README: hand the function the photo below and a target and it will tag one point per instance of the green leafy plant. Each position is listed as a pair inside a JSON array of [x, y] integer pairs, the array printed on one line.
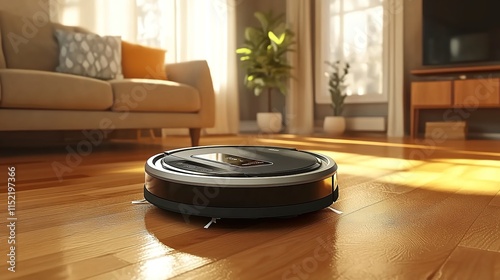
[[263, 55], [337, 86]]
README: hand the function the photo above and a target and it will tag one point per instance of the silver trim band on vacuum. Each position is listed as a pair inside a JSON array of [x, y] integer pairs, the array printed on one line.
[[328, 167]]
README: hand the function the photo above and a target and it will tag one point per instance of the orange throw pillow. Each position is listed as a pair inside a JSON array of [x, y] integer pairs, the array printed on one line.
[[143, 62]]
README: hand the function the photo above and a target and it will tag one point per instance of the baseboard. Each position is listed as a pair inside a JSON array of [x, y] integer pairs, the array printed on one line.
[[249, 126], [376, 124], [365, 123], [489, 136]]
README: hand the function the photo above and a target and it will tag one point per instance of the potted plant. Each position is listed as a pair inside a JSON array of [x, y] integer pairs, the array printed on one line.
[[263, 57], [335, 124]]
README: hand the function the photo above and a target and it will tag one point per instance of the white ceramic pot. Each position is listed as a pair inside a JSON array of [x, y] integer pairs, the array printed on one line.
[[334, 125], [269, 122]]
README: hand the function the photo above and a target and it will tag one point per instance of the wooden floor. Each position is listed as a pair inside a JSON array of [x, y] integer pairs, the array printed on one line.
[[411, 210]]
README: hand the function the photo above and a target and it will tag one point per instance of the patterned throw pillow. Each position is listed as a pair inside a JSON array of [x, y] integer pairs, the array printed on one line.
[[89, 55]]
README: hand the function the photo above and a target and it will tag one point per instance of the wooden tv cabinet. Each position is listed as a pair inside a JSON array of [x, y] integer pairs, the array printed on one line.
[[460, 96]]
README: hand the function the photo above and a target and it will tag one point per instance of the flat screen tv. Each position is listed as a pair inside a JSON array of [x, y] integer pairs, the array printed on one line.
[[461, 32]]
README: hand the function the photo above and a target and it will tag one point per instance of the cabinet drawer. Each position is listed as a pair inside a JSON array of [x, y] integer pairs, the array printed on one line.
[[431, 93], [477, 92]]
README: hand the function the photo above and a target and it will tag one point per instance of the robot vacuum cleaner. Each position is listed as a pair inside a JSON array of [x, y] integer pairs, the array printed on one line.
[[240, 181]]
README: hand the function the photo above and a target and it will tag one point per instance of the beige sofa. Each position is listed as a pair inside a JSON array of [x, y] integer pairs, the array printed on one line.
[[34, 97]]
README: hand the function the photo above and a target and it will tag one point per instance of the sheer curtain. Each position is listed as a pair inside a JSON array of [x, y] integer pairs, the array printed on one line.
[[394, 80], [187, 29], [108, 17], [206, 30], [300, 100]]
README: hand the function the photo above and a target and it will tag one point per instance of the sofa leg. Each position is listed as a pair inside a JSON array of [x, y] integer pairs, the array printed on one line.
[[195, 136]]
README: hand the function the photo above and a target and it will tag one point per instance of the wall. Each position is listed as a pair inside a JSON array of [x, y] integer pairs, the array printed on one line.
[[249, 103], [352, 110], [412, 50]]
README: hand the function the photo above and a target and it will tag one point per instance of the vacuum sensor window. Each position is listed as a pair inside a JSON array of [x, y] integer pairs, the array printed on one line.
[[232, 159]]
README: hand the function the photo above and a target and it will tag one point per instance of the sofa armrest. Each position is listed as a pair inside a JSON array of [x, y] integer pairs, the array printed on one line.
[[196, 74]]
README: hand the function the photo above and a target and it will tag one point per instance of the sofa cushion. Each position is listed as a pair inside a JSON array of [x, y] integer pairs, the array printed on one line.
[[28, 44], [32, 89], [89, 55], [145, 95]]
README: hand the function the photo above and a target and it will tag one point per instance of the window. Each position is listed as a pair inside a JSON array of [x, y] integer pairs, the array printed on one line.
[[352, 31], [155, 25], [71, 13]]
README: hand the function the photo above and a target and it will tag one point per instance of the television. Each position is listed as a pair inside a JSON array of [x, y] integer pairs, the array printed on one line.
[[461, 32]]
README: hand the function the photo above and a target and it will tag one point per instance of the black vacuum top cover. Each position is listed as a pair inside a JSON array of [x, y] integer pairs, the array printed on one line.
[[236, 161]]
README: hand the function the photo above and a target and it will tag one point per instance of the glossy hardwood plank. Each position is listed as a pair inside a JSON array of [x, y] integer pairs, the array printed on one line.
[[467, 263], [165, 267], [132, 243], [72, 235], [496, 200], [485, 232], [60, 215], [85, 268]]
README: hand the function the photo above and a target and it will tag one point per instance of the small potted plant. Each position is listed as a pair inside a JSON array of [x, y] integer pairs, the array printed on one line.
[[263, 57], [335, 125]]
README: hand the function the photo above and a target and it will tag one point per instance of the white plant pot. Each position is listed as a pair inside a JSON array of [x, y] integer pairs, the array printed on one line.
[[269, 122], [334, 125]]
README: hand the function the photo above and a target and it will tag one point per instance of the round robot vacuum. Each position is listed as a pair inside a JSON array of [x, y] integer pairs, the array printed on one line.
[[240, 181]]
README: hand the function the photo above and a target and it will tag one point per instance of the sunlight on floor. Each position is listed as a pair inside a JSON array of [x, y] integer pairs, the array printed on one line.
[[160, 261], [166, 266], [382, 163], [472, 162], [152, 248], [478, 177]]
